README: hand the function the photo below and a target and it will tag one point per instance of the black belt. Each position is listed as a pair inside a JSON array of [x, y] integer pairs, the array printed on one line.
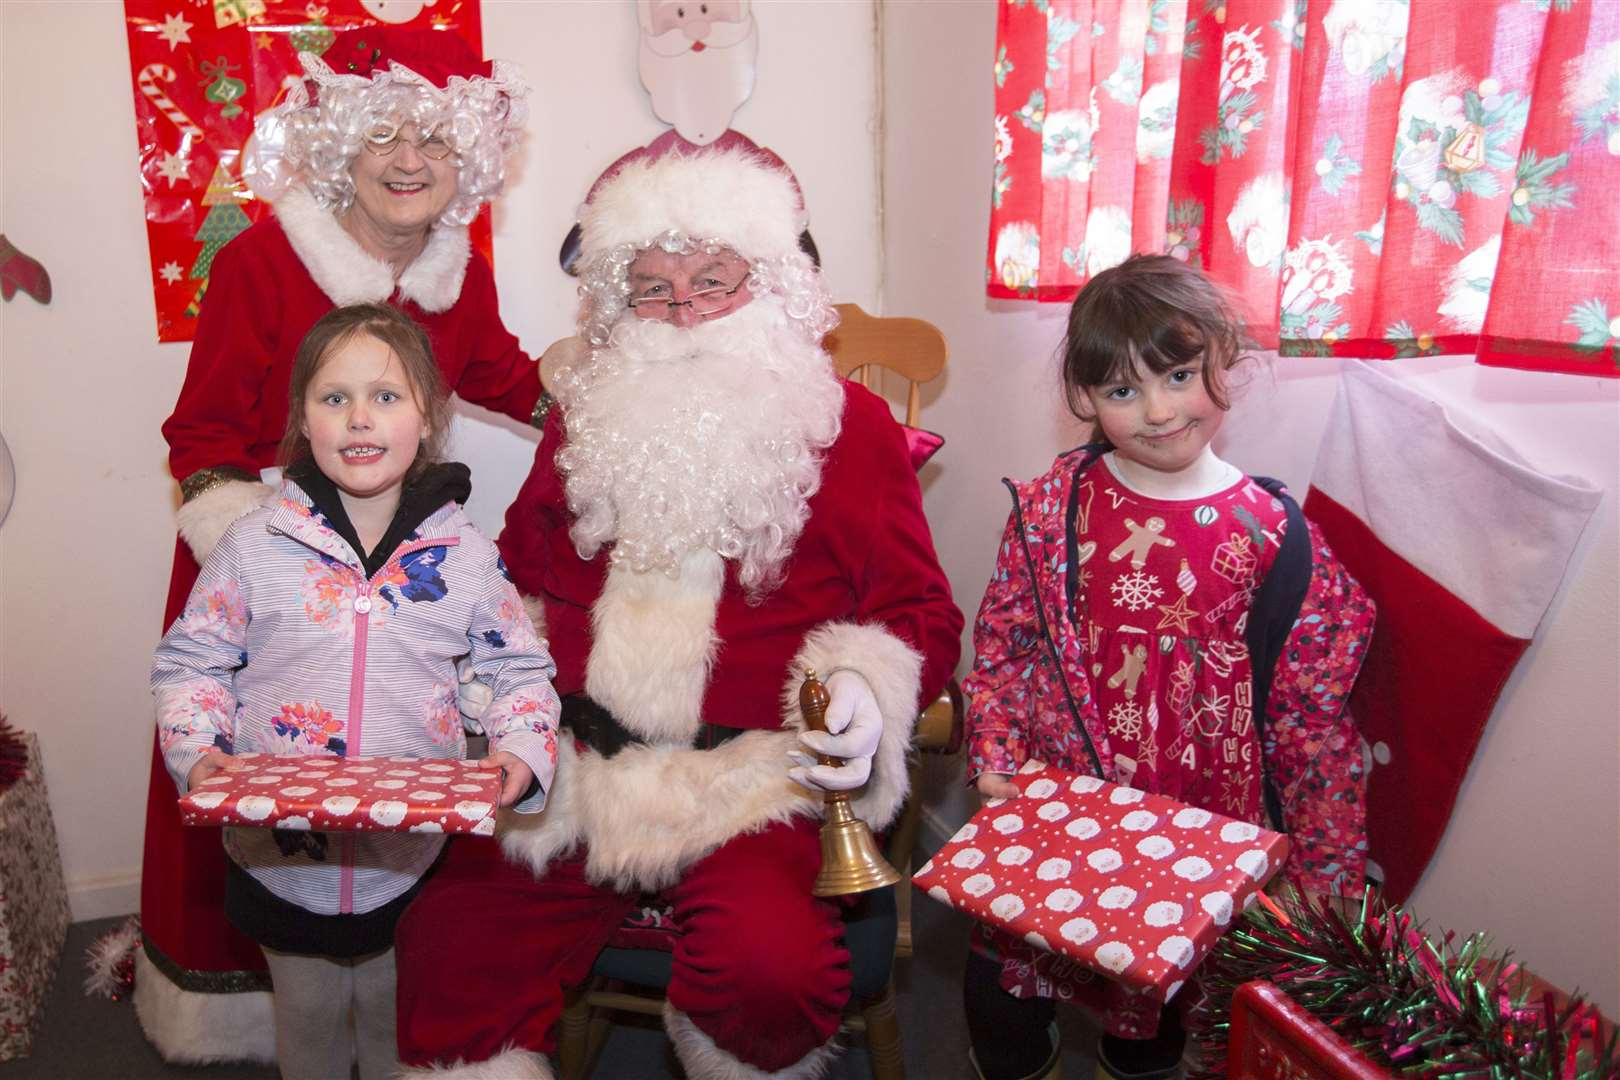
[[599, 729]]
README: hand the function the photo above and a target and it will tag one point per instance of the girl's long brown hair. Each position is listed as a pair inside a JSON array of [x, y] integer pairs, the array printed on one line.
[[405, 339]]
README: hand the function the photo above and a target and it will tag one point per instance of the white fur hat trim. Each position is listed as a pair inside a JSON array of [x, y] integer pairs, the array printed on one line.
[[733, 196]]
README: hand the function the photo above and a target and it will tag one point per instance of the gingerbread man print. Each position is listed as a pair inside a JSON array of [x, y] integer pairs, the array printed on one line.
[[1130, 669], [1143, 539]]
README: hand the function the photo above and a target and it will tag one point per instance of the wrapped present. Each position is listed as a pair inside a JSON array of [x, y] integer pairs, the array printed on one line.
[[332, 794], [33, 905], [1133, 886], [1274, 1038]]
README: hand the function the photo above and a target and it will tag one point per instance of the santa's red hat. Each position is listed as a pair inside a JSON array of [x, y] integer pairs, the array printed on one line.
[[731, 191]]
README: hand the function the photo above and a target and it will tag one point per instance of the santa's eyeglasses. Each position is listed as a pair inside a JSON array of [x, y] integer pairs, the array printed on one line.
[[384, 141], [707, 302]]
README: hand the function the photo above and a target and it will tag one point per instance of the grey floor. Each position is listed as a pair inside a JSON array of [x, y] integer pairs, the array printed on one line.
[[92, 1038]]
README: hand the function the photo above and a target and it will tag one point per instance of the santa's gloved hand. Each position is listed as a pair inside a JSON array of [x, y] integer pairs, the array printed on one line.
[[472, 697], [854, 729]]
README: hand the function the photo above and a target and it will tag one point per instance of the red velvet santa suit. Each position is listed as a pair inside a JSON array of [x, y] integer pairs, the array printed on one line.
[[759, 970], [267, 288]]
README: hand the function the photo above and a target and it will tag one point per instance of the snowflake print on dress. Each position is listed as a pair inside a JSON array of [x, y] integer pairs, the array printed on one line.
[[1125, 720], [1136, 591]]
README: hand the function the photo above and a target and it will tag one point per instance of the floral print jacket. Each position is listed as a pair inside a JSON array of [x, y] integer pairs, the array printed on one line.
[[285, 646], [1030, 693]]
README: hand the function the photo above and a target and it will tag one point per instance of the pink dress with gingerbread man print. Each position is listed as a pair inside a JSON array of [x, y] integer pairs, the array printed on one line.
[[1111, 640]]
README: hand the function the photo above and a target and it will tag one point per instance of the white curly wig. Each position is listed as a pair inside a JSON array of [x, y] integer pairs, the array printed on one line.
[[317, 141]]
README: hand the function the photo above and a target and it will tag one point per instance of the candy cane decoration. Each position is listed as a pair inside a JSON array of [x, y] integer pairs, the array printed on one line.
[[147, 80]]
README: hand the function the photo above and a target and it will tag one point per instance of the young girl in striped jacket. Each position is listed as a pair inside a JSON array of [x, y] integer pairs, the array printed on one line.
[[330, 622]]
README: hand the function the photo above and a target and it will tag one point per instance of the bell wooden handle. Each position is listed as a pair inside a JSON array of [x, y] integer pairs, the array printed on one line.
[[813, 702]]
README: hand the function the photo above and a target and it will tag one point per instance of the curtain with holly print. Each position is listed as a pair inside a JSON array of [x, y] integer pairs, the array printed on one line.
[[1371, 178]]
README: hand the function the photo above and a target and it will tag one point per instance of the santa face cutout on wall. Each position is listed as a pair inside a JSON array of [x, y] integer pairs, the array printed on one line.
[[396, 11], [697, 62]]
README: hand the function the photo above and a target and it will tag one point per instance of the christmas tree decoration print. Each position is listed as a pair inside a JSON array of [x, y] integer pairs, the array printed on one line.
[[314, 36], [224, 221], [1136, 591], [223, 89]]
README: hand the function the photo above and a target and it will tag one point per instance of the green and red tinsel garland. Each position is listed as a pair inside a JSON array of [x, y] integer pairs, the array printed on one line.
[[1413, 1007]]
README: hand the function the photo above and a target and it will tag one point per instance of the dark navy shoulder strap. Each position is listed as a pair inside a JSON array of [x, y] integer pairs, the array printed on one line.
[[1273, 614]]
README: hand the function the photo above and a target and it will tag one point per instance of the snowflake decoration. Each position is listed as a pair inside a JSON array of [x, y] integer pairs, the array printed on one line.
[[1136, 591], [1125, 721]]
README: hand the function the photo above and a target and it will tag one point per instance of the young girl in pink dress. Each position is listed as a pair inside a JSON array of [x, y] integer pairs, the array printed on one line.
[[1161, 620]]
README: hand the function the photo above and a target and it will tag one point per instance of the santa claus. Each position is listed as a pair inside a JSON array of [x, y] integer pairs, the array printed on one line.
[[711, 511]]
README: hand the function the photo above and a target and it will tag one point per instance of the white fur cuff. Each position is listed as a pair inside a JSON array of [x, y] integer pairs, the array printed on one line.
[[894, 670], [703, 1060], [510, 1064], [203, 520], [192, 1028], [648, 813]]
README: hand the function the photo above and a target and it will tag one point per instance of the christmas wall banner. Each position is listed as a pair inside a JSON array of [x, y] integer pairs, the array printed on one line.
[[202, 70]]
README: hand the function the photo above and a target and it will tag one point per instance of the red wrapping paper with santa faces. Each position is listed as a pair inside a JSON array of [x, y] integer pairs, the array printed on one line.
[[1133, 886], [331, 794]]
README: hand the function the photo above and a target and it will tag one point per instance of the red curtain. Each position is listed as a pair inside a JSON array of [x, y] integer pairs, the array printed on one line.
[[1370, 177]]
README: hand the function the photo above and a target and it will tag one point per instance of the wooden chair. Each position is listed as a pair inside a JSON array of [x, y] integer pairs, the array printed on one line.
[[878, 928], [911, 348]]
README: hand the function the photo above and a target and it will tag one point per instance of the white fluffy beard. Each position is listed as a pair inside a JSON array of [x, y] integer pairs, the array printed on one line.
[[710, 438]]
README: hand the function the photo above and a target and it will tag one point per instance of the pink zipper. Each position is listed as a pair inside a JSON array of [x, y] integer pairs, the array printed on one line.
[[357, 695]]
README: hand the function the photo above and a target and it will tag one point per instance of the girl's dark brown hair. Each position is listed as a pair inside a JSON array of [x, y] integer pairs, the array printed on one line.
[[405, 340], [1150, 314]]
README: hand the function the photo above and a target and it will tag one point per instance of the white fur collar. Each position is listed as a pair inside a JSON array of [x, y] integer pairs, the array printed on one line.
[[349, 274]]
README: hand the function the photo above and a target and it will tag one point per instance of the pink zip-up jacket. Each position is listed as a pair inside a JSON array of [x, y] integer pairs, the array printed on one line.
[[285, 646]]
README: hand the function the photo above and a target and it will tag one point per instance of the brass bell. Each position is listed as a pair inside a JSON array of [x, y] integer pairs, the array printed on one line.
[[850, 860]]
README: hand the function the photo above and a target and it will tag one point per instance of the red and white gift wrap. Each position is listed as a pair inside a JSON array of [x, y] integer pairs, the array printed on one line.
[[33, 905], [1133, 886], [383, 794]]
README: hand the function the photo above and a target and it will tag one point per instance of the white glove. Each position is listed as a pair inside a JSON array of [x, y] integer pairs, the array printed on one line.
[[854, 729], [472, 697]]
